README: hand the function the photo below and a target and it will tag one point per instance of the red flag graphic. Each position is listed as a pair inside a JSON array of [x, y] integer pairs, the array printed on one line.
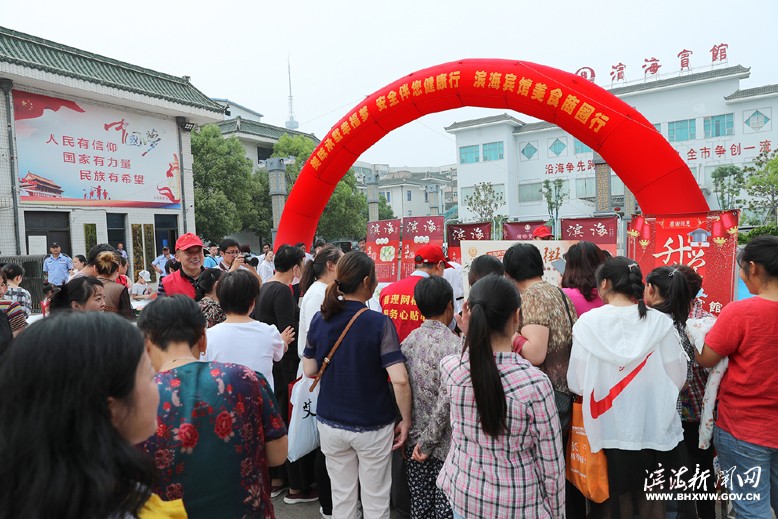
[[30, 106]]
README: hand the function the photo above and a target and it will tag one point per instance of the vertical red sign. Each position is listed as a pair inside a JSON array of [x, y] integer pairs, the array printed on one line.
[[707, 242], [465, 231], [519, 230], [383, 245], [418, 231]]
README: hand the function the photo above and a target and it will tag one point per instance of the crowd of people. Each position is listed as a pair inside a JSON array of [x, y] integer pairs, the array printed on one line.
[[430, 410]]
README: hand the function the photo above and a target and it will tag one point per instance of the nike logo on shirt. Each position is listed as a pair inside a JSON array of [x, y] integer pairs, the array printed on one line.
[[600, 407]]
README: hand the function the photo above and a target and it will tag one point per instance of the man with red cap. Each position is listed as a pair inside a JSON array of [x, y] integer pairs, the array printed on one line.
[[542, 233], [189, 253], [397, 299], [398, 303]]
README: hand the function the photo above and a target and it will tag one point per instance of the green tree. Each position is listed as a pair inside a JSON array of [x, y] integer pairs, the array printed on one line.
[[298, 147], [555, 194], [728, 183], [345, 215], [385, 211], [762, 186], [222, 178], [259, 218], [484, 201]]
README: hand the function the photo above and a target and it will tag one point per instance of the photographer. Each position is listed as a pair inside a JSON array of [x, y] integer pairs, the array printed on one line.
[[233, 258]]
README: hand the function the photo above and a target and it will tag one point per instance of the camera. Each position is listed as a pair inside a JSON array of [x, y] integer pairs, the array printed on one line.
[[250, 260]]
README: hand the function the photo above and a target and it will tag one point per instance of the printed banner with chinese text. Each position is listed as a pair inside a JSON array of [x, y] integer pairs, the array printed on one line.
[[551, 250], [77, 154], [707, 242], [383, 244], [418, 231], [519, 230], [602, 231], [456, 232]]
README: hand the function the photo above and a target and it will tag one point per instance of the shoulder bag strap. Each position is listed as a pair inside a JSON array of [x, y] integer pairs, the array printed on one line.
[[567, 307], [334, 349]]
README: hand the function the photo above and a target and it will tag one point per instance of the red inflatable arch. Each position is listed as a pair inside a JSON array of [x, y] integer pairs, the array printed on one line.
[[629, 143]]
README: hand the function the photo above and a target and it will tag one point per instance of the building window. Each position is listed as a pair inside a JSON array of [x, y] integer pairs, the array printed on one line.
[[757, 120], [408, 195], [426, 196], [719, 125], [580, 147], [529, 151], [658, 127], [468, 154], [493, 151], [617, 186], [585, 187], [678, 131], [530, 192], [557, 147], [388, 196], [115, 222], [263, 153]]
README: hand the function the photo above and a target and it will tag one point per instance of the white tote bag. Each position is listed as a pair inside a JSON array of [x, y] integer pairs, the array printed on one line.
[[303, 432]]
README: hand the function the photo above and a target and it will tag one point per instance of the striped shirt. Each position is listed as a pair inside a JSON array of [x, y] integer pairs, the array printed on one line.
[[518, 474], [15, 314], [21, 296]]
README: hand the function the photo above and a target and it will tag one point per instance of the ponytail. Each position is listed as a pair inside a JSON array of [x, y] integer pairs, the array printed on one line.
[[77, 290], [493, 299], [206, 281], [313, 270], [675, 292], [353, 268], [638, 288], [333, 303], [626, 278]]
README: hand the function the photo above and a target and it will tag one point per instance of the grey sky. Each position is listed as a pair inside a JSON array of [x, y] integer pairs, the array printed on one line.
[[344, 50]]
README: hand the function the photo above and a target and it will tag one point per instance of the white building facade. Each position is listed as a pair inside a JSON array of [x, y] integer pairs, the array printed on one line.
[[93, 150], [705, 116], [411, 190]]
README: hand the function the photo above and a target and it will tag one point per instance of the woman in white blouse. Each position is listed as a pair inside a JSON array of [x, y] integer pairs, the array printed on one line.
[[318, 273]]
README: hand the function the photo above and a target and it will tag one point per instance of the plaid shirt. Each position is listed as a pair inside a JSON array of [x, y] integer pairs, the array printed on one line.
[[689, 404], [518, 474], [21, 296]]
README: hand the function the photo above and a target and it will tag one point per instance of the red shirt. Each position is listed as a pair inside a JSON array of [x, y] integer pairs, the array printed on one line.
[[398, 303], [177, 283], [746, 332]]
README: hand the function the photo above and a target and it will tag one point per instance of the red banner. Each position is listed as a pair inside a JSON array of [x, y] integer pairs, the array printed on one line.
[[707, 242], [602, 231], [519, 230], [465, 231], [383, 245], [595, 230], [418, 231]]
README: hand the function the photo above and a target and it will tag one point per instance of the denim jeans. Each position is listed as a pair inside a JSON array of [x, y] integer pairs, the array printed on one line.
[[741, 462]]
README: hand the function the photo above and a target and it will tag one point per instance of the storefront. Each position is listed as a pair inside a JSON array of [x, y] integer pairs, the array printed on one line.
[[93, 150]]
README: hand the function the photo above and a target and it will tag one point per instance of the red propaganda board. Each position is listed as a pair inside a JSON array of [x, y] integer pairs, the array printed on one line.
[[465, 231], [519, 230], [707, 242], [602, 231], [418, 231], [383, 245]]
